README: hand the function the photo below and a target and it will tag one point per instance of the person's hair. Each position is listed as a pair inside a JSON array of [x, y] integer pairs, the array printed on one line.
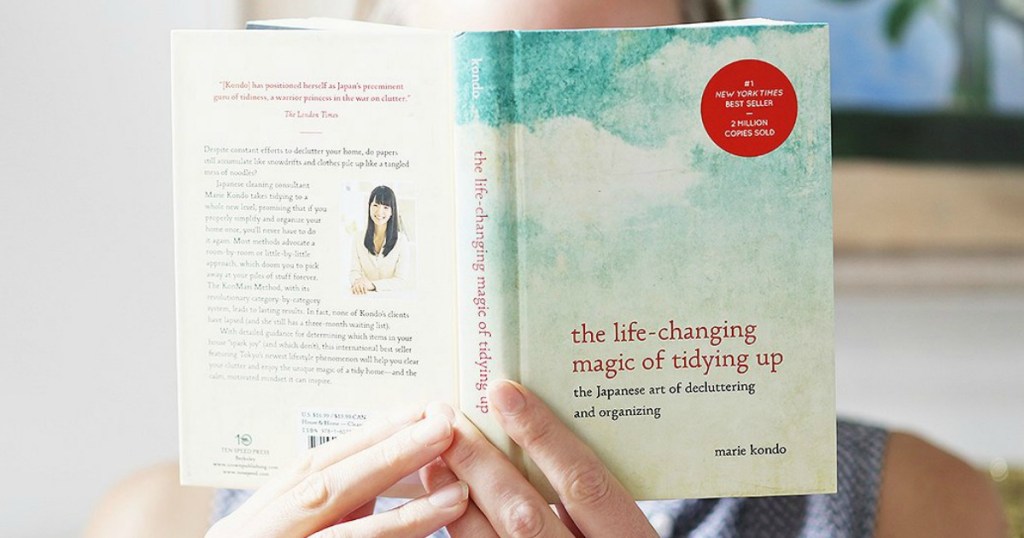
[[383, 195], [393, 11], [710, 10]]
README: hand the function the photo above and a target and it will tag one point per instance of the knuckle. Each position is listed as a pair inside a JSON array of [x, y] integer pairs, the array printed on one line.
[[405, 515], [536, 433], [587, 484], [305, 464], [461, 456], [524, 520], [389, 455], [313, 494]]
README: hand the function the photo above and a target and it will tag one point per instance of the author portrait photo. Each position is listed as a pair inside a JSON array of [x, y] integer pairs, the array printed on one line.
[[381, 257]]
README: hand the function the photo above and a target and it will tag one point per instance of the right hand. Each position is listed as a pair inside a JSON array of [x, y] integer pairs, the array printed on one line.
[[362, 285], [593, 502], [331, 490]]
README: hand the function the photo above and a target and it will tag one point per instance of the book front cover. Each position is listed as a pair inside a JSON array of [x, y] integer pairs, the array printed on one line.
[[673, 246]]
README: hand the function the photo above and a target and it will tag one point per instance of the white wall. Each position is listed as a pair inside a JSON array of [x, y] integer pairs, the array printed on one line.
[[87, 372], [87, 376], [944, 362]]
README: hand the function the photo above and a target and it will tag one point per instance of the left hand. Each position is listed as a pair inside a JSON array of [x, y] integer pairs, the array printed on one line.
[[594, 503], [331, 489]]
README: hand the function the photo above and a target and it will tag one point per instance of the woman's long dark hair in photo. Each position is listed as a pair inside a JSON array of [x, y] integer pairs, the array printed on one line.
[[383, 195]]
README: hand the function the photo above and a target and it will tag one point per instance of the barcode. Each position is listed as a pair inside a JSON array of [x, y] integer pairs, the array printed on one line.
[[317, 440]]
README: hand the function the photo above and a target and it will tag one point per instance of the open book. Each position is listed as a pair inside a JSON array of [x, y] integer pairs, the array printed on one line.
[[634, 223]]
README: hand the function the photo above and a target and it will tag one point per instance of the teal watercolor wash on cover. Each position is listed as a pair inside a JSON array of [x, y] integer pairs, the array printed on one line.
[[539, 75]]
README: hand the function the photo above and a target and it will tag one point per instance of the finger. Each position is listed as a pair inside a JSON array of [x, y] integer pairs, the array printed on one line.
[[567, 520], [323, 497], [319, 458], [511, 505], [360, 512], [593, 497], [419, 517], [436, 475]]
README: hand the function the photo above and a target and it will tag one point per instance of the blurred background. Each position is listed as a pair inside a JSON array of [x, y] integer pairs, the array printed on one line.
[[929, 232]]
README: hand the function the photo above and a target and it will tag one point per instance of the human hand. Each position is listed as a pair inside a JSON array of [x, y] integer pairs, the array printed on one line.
[[594, 503], [331, 490], [362, 285]]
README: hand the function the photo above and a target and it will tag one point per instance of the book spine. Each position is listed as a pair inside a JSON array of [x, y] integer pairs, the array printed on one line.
[[487, 250]]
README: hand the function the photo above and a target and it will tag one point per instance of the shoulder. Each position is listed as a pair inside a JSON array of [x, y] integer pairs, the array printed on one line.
[[926, 491], [151, 502]]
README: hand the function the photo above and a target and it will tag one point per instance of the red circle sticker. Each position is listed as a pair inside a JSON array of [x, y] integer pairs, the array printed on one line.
[[749, 108]]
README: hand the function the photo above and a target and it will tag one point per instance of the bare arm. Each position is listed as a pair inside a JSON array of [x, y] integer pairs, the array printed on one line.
[[329, 491], [152, 503], [928, 492]]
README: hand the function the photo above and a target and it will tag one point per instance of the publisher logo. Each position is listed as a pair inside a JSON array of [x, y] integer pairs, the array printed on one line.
[[749, 108]]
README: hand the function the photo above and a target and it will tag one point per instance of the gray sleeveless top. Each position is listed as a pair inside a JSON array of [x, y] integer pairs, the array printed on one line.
[[850, 513]]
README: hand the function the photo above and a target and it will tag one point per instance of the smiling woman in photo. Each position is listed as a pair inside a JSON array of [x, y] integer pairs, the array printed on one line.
[[380, 261]]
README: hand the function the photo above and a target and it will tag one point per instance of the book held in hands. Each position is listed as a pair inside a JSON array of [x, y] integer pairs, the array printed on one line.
[[633, 223]]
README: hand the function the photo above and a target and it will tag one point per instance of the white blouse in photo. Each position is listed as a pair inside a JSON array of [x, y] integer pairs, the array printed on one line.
[[387, 273]]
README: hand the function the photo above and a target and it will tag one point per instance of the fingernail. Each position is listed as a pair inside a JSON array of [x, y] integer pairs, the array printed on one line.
[[440, 410], [450, 495], [431, 430], [507, 398]]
